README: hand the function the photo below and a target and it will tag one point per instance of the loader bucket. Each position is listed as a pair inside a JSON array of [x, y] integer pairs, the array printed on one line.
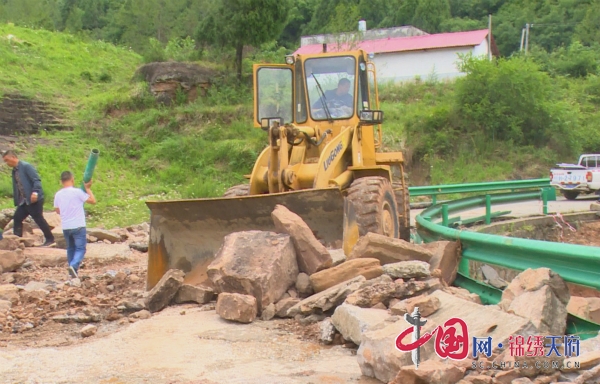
[[186, 234]]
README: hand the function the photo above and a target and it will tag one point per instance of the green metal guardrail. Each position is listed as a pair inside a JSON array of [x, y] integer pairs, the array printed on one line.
[[512, 185], [574, 263]]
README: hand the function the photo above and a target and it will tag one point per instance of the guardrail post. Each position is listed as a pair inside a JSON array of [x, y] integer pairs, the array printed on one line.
[[545, 200], [434, 200], [445, 215], [488, 209]]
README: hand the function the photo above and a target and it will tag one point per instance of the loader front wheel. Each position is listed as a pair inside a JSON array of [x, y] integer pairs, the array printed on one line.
[[238, 190], [402, 195], [374, 205]]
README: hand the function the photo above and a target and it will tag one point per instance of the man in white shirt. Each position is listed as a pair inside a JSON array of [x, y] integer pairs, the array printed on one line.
[[68, 203]]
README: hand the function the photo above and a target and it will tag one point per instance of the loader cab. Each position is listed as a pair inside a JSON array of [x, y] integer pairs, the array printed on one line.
[[329, 89]]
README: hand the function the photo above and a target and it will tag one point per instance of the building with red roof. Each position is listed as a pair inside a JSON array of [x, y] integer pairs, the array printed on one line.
[[406, 53]]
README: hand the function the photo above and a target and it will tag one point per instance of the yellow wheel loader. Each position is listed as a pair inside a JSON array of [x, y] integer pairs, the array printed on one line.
[[321, 117]]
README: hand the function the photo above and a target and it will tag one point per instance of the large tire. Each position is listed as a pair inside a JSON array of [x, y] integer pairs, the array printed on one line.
[[375, 206], [238, 190], [402, 195], [570, 195]]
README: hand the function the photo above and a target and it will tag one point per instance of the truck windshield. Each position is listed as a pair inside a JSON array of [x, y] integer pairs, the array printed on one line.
[[330, 83]]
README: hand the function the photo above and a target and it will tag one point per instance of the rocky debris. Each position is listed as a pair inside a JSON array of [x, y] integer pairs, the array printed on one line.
[[427, 305], [463, 294], [377, 291], [139, 246], [368, 268], [407, 270], [590, 345], [9, 244], [9, 292], [11, 261], [529, 366], [47, 257], [388, 250], [477, 379], [328, 331], [377, 359], [312, 256], [86, 317], [141, 315], [165, 290], [303, 285], [102, 234], [282, 307], [586, 361], [260, 264], [327, 299], [429, 372], [337, 256], [268, 312], [352, 322], [446, 256], [88, 330], [5, 305], [101, 253], [189, 293], [492, 277], [237, 307], [585, 307], [589, 377], [541, 296]]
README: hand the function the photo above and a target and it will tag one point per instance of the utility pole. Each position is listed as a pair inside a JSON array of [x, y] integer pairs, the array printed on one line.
[[490, 37], [526, 37], [522, 39]]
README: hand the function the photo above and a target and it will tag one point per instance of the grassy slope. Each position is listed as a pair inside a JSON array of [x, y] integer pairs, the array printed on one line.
[[187, 151]]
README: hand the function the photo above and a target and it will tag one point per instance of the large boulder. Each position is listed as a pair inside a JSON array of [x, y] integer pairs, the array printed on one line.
[[352, 322], [255, 263], [312, 256], [446, 256], [388, 250], [47, 257], [10, 261], [236, 307], [377, 356], [369, 268], [327, 299], [165, 290], [192, 294], [9, 244], [103, 234], [541, 296], [413, 269]]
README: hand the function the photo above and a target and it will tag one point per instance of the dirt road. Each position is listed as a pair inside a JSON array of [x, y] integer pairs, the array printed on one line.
[[197, 347]]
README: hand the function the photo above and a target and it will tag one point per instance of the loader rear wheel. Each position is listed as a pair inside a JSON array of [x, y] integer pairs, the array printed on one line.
[[402, 195], [238, 190], [375, 206], [570, 195]]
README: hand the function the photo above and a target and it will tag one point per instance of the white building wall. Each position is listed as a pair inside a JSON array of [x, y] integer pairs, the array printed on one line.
[[441, 63]]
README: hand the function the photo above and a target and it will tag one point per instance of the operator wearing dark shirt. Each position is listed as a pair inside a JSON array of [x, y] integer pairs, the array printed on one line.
[[339, 96]]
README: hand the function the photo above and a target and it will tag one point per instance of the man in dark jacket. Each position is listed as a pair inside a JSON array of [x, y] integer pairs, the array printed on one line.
[[28, 196]]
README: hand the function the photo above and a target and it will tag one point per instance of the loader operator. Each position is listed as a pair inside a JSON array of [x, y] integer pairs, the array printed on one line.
[[336, 97]]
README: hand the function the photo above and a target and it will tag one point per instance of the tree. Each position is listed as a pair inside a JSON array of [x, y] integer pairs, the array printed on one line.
[[430, 14], [236, 23]]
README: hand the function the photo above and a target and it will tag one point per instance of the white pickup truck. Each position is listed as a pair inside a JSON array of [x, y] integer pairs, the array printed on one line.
[[575, 179]]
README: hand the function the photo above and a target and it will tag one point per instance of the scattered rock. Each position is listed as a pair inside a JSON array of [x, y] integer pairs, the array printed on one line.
[[310, 319], [541, 296], [590, 345], [373, 294], [139, 246], [429, 372], [10, 261], [327, 331], [325, 300], [352, 322], [589, 377], [9, 244], [369, 268], [585, 307], [282, 306], [312, 256], [163, 292], [101, 253], [268, 312], [189, 293], [88, 330], [446, 256], [492, 277], [5, 306], [130, 306], [413, 269], [47, 257], [463, 294], [102, 234], [337, 256], [303, 284], [34, 286], [586, 361], [477, 379], [388, 250], [530, 366], [237, 307], [427, 305], [261, 264], [377, 359], [9, 292], [141, 315]]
